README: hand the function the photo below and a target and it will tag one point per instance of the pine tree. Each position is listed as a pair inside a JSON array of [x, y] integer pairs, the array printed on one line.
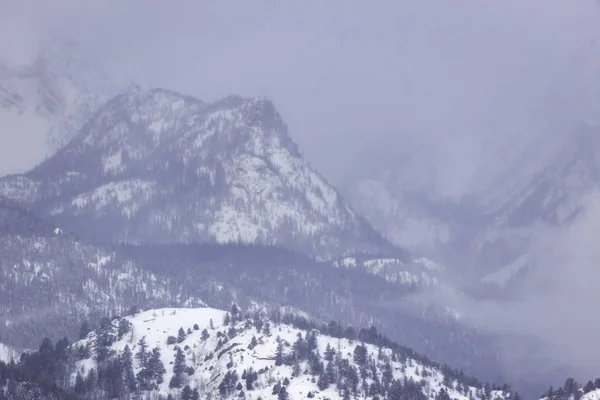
[[91, 379], [570, 386], [178, 370], [387, 376], [156, 365], [205, 335], [283, 394], [124, 327], [330, 371], [180, 335], [127, 366], [442, 395], [104, 340], [142, 353], [211, 324], [234, 313], [314, 363], [84, 330], [299, 348], [329, 352], [346, 395], [186, 393], [360, 355], [152, 375], [589, 387], [279, 354], [253, 343], [79, 385], [195, 394], [323, 381]]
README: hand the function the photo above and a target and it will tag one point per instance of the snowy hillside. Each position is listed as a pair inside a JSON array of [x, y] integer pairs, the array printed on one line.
[[44, 102], [593, 395], [420, 272], [159, 167], [50, 280], [227, 355]]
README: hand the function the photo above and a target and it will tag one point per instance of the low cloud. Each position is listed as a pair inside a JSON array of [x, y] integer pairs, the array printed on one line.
[[549, 330]]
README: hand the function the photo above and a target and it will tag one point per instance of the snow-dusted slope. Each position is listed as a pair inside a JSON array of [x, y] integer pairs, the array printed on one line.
[[159, 167], [49, 280], [264, 357], [420, 272], [44, 102], [593, 395], [405, 221]]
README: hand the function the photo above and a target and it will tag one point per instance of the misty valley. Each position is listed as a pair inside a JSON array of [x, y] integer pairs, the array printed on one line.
[[178, 223]]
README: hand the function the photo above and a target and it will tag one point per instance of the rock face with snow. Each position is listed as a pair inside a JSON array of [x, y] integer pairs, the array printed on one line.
[[45, 102], [227, 355], [159, 167], [420, 272], [8, 353]]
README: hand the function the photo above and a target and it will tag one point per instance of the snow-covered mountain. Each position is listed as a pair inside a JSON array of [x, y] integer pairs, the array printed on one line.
[[228, 355], [44, 102], [159, 167]]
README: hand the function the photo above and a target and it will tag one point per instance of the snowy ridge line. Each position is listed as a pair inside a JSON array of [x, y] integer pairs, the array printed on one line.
[[184, 353]]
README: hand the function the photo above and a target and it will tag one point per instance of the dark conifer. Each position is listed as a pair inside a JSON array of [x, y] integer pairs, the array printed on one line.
[[180, 335]]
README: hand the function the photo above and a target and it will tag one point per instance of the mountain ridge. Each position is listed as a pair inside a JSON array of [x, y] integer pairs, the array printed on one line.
[[150, 156]]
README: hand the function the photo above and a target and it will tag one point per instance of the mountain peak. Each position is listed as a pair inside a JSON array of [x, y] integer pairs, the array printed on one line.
[[163, 167]]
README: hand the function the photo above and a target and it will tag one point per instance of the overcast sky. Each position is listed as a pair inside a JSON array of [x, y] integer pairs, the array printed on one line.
[[351, 78]]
